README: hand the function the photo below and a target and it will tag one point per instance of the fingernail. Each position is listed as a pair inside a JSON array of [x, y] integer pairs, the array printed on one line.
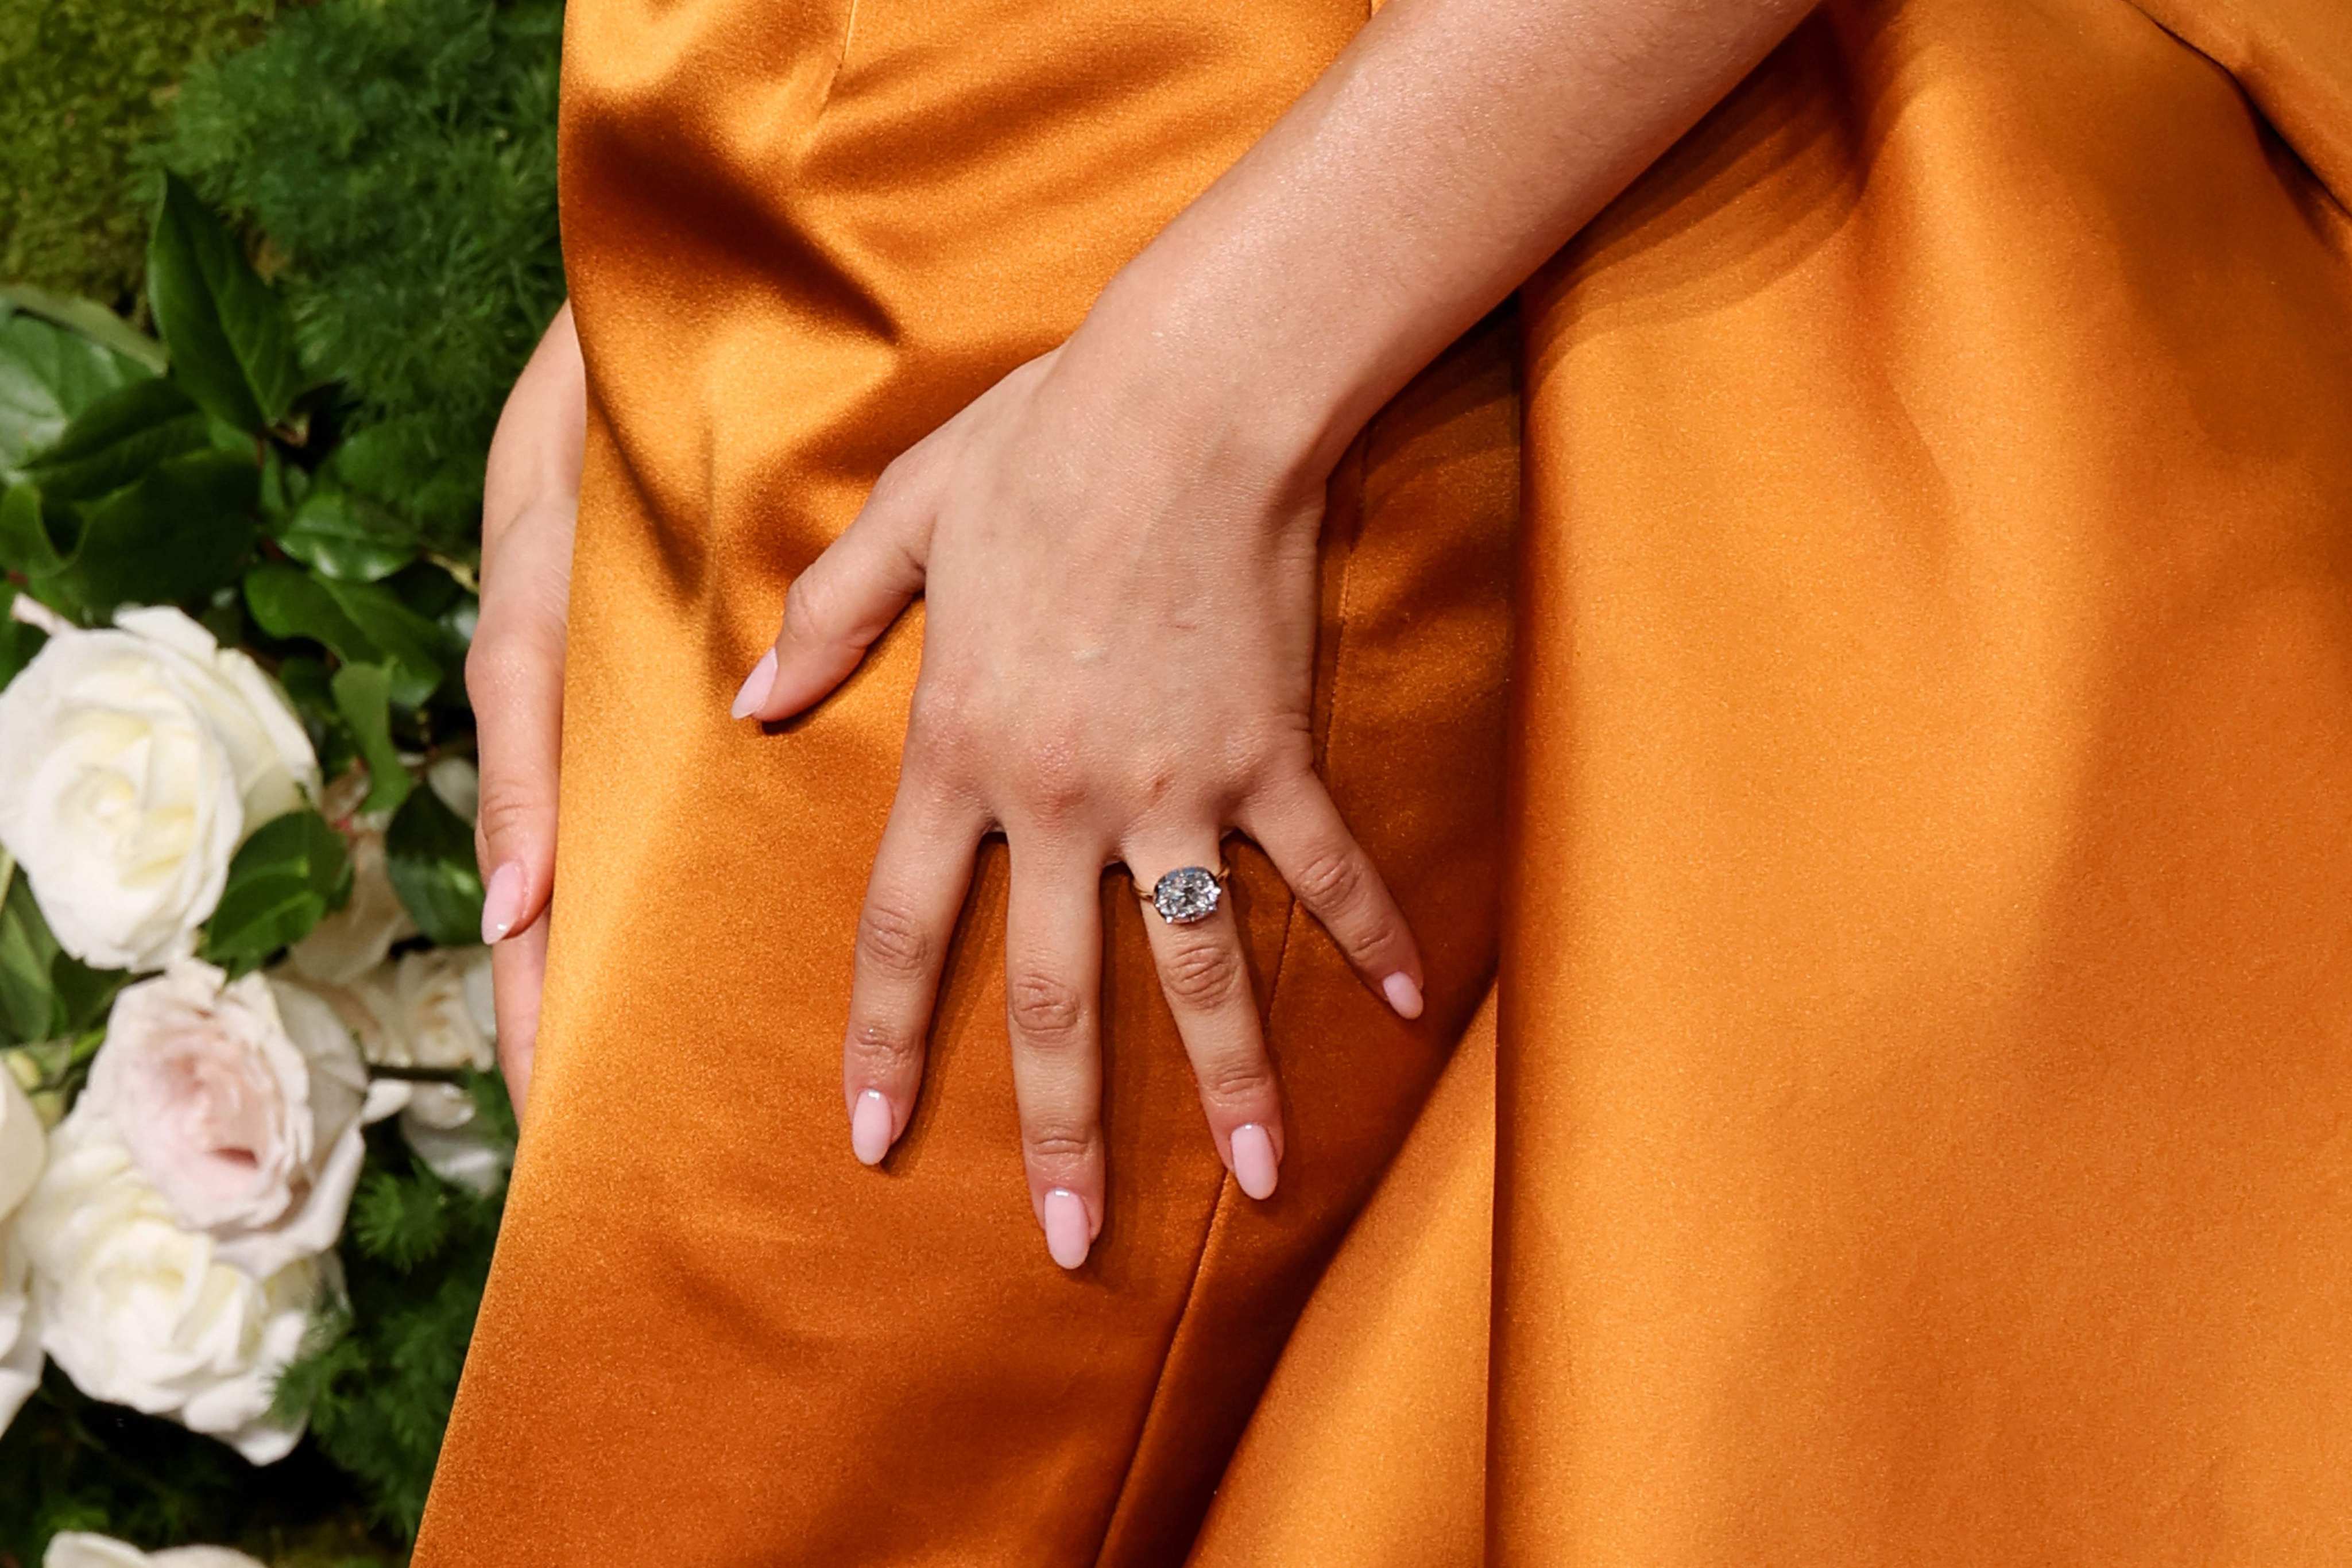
[[1253, 1162], [501, 901], [1403, 994], [1067, 1228], [869, 1128], [754, 690]]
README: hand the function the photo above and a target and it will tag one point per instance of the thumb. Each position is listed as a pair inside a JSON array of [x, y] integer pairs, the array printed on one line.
[[838, 608]]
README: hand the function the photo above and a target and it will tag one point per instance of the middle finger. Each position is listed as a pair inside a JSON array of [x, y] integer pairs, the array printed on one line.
[[1053, 991]]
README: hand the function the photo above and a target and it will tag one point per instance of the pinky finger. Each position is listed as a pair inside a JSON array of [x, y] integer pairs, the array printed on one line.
[[1301, 832]]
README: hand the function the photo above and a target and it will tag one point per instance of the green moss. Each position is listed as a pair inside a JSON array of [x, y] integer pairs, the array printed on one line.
[[82, 84], [398, 158]]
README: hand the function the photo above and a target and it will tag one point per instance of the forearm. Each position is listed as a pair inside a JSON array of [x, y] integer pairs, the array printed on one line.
[[1452, 147]]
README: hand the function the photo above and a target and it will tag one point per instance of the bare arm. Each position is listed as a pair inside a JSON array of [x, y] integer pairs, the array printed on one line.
[[1453, 148]]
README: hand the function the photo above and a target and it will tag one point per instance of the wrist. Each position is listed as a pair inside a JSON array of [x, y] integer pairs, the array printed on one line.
[[1201, 365]]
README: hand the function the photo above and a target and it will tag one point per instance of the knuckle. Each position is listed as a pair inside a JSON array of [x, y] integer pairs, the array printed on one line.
[[1202, 973], [894, 486], [508, 813], [1046, 1010], [882, 1046], [943, 738], [803, 620], [1331, 877], [892, 941], [1056, 1143], [502, 660], [1053, 787], [1234, 1079]]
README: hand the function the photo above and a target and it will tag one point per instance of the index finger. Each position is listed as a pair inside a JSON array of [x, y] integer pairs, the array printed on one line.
[[922, 873]]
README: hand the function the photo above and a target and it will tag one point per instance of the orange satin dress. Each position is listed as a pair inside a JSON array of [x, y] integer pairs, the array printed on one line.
[[1886, 870]]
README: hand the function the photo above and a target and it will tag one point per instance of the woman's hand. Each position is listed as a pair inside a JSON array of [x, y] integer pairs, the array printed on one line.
[[1118, 656], [514, 674]]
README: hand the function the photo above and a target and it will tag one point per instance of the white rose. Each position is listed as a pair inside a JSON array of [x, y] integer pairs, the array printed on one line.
[[132, 764], [240, 1103], [139, 1311], [430, 1010], [79, 1549], [22, 1147], [442, 1008], [441, 999]]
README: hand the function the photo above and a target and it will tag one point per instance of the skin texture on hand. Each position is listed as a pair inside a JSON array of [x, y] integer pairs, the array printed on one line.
[[514, 675], [1118, 665]]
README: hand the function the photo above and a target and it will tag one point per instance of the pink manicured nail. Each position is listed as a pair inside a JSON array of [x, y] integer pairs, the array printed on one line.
[[1403, 994], [755, 687], [1066, 1228], [869, 1128], [1253, 1162], [501, 901]]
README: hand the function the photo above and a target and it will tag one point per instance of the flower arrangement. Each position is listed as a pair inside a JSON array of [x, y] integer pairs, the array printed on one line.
[[252, 1141]]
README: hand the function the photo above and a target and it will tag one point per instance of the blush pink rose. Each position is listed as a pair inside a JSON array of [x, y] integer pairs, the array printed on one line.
[[240, 1102]]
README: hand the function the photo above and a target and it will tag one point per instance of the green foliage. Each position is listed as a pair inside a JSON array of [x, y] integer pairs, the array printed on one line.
[[44, 992], [48, 374], [294, 459], [231, 345], [285, 879], [361, 622], [135, 487], [362, 695], [429, 855], [82, 84], [72, 1463], [400, 157], [380, 1373]]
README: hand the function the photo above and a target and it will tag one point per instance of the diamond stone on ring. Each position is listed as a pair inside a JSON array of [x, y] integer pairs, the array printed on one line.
[[1189, 892]]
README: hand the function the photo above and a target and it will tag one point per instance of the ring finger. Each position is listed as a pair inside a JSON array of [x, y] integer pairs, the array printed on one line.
[[1205, 976]]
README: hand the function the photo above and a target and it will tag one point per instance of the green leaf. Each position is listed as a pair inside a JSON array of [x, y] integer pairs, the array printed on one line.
[[286, 879], [179, 532], [346, 536], [364, 697], [19, 641], [231, 342], [429, 854], [47, 375], [26, 543], [307, 686], [117, 438], [83, 994], [403, 467], [283, 485], [359, 622], [88, 318], [28, 1005], [176, 535], [288, 601]]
